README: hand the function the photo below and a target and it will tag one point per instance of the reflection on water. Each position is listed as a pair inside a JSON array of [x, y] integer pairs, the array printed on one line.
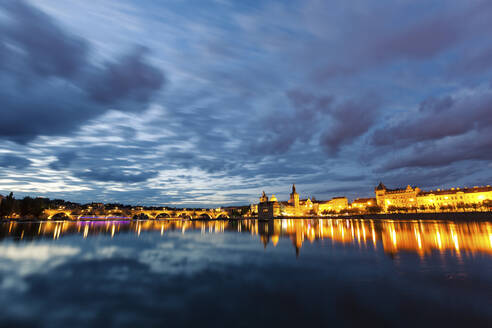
[[422, 237], [245, 273]]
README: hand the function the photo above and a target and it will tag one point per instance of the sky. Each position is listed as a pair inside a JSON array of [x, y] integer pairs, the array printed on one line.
[[207, 103]]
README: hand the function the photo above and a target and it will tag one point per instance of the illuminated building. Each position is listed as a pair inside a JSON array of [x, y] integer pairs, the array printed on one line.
[[414, 198], [297, 207], [268, 208], [294, 197], [388, 198], [363, 203], [335, 205]]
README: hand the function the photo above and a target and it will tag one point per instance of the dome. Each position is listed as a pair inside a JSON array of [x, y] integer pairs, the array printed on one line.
[[273, 199]]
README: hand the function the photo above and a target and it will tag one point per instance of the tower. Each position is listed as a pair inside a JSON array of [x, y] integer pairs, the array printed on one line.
[[294, 197], [263, 198], [380, 192], [268, 209]]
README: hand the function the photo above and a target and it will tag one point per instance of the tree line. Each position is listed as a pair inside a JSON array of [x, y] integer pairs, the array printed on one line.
[[29, 207], [25, 207]]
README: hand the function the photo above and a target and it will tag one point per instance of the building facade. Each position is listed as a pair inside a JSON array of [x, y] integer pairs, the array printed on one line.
[[414, 198], [334, 205], [364, 204], [268, 208], [297, 207]]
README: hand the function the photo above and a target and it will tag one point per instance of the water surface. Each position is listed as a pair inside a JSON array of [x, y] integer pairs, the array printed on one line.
[[246, 273]]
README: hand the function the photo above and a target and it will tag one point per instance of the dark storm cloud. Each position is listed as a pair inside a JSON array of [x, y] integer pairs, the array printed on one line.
[[474, 63], [424, 38], [48, 84], [46, 48], [281, 129], [351, 120], [385, 34], [63, 160], [439, 118], [473, 146], [129, 78], [116, 174], [338, 123], [12, 161]]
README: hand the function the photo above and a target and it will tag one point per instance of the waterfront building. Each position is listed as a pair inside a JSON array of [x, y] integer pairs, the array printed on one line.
[[297, 207], [334, 205], [294, 197], [253, 208], [268, 208], [386, 200], [414, 198], [363, 203], [406, 197]]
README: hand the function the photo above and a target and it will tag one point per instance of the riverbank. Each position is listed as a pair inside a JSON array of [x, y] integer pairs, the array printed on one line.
[[448, 216]]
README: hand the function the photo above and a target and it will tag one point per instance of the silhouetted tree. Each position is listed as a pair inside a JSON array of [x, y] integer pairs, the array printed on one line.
[[7, 206], [392, 208], [31, 207], [461, 206], [487, 204], [374, 209]]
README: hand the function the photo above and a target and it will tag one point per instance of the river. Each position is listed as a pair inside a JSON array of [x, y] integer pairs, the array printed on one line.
[[246, 273]]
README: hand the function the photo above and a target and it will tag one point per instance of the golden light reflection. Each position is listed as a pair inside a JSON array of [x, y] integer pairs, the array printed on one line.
[[421, 237]]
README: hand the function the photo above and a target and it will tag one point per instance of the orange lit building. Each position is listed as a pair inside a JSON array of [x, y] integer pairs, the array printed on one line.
[[298, 207], [268, 208], [336, 205], [363, 203], [438, 200], [396, 198]]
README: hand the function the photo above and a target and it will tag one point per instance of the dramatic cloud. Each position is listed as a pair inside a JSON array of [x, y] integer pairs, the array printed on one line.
[[50, 86], [130, 78], [115, 175], [350, 120], [12, 161], [333, 96], [390, 33], [63, 160], [43, 46], [283, 128], [473, 146], [440, 118]]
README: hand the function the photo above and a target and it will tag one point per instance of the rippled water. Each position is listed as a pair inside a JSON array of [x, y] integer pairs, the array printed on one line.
[[302, 273]]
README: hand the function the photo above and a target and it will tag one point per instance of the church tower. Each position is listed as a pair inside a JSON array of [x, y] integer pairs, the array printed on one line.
[[294, 197], [263, 198]]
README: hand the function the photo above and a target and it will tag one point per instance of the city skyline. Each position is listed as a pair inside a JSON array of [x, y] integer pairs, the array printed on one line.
[[201, 105], [409, 199]]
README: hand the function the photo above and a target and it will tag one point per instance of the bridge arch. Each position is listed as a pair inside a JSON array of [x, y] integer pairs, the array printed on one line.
[[163, 215], [63, 215], [223, 215], [141, 216], [116, 214], [204, 216]]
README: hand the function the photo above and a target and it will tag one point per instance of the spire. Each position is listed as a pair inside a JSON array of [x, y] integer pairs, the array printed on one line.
[[381, 186], [294, 188]]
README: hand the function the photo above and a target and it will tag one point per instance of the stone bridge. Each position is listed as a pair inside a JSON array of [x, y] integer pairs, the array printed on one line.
[[151, 214]]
